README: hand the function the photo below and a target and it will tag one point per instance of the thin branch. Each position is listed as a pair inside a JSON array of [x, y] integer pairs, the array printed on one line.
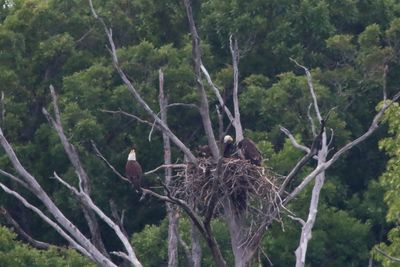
[[384, 81], [130, 115], [186, 250], [293, 140], [374, 125], [53, 224], [120, 254], [136, 94], [300, 220], [36, 189], [98, 153], [395, 259], [14, 178], [204, 106], [300, 164], [17, 227], [217, 93], [311, 87], [117, 218], [87, 201], [311, 120], [84, 183], [86, 34], [233, 44]]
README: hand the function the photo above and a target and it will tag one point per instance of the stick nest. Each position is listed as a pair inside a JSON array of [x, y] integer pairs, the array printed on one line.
[[248, 188]]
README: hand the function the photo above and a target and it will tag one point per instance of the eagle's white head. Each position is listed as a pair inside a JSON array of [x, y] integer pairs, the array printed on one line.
[[228, 139], [132, 154]]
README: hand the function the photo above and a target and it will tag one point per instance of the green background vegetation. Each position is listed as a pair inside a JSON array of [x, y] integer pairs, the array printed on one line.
[[346, 44]]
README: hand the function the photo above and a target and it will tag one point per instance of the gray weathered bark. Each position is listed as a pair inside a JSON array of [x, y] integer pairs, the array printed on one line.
[[172, 212], [204, 107], [196, 248]]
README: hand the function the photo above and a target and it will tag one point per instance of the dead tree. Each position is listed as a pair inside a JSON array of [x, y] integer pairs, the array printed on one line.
[[248, 197], [60, 223], [246, 229], [172, 212]]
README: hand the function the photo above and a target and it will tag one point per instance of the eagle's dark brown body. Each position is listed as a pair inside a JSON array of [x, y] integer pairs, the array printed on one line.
[[133, 171], [250, 152]]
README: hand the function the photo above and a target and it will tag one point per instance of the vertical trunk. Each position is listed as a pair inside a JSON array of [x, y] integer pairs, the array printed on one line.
[[306, 230], [171, 210], [172, 236], [235, 62], [204, 106], [242, 253], [196, 248]]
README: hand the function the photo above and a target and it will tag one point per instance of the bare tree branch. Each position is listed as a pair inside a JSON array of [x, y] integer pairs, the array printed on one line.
[[86, 200], [204, 107], [14, 178], [293, 140], [311, 87], [217, 93], [117, 218], [395, 259], [54, 225], [36, 189], [20, 231], [131, 116], [135, 93], [171, 210], [311, 120], [374, 125], [234, 47], [73, 157]]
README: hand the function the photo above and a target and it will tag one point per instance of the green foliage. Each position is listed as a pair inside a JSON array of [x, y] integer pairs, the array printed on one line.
[[15, 254], [151, 245], [338, 240], [345, 43], [390, 181]]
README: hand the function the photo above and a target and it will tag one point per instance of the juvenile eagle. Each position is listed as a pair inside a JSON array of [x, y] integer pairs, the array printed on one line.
[[249, 151], [133, 171]]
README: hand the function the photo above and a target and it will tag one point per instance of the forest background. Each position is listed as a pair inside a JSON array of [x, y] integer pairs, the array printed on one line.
[[351, 48]]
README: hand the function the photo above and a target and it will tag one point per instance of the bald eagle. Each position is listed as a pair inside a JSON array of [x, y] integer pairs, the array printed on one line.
[[133, 171], [229, 146], [249, 151]]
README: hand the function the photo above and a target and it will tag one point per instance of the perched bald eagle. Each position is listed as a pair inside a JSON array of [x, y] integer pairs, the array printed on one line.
[[249, 151], [229, 146], [133, 171]]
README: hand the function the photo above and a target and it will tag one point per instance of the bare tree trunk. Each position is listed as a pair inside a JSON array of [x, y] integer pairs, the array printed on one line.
[[172, 212], [306, 230], [204, 106], [196, 248], [242, 253], [235, 62]]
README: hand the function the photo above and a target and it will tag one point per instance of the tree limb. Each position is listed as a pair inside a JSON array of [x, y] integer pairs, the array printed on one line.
[[395, 259], [233, 44], [86, 200], [35, 243], [37, 190], [54, 225], [204, 107], [217, 93], [293, 140], [73, 156], [135, 93]]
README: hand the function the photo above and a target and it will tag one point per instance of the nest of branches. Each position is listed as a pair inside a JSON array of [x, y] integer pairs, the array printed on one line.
[[246, 188]]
